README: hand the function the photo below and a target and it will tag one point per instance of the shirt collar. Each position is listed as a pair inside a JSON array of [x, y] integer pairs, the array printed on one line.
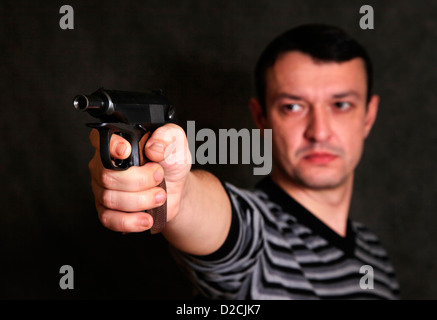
[[305, 217]]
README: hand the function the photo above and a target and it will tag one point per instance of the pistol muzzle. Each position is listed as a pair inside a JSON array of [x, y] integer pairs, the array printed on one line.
[[84, 102]]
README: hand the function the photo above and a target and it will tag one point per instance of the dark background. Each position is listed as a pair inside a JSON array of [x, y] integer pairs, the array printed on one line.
[[202, 53]]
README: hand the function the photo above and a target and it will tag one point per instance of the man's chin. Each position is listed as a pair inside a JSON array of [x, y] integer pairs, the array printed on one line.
[[313, 177], [321, 182]]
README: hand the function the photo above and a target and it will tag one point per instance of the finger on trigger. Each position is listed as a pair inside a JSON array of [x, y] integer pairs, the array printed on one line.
[[119, 147]]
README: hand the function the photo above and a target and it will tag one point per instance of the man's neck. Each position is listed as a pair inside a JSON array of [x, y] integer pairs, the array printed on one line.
[[331, 206]]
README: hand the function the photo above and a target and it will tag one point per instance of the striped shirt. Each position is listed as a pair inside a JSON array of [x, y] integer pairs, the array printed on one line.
[[277, 249]]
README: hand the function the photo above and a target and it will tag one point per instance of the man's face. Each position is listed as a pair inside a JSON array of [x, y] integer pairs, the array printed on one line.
[[319, 118]]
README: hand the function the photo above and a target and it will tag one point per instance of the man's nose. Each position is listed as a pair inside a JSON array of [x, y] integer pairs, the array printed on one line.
[[319, 127]]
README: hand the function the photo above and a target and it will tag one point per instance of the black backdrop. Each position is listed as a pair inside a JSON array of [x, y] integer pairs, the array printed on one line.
[[202, 53]]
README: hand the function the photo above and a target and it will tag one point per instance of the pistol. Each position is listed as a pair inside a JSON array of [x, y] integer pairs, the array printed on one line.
[[133, 116]]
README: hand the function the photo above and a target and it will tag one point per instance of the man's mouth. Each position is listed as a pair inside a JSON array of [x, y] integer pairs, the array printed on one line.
[[320, 157]]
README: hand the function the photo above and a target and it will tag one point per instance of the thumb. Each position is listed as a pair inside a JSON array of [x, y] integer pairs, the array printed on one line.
[[168, 145]]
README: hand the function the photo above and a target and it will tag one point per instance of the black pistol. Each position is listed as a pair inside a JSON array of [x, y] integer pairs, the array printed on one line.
[[133, 116]]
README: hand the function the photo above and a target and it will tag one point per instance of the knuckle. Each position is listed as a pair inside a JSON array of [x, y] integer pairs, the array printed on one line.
[[94, 138], [145, 178], [104, 220], [113, 222], [91, 165], [107, 179], [178, 132], [171, 134], [108, 199], [174, 126]]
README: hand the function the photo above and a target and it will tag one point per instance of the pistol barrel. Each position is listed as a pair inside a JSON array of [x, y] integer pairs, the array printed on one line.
[[84, 102]]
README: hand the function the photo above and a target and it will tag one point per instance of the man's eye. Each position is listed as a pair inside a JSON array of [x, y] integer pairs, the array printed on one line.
[[292, 107], [342, 105]]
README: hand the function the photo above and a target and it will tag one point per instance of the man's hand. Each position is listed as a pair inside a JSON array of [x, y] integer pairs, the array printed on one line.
[[198, 208], [122, 196]]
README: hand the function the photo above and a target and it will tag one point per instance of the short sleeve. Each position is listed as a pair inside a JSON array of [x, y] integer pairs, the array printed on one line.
[[223, 273]]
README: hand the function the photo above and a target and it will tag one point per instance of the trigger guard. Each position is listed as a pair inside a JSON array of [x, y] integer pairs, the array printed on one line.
[[131, 133], [105, 155]]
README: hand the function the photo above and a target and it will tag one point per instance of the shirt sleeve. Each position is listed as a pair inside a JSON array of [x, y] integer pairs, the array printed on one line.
[[222, 274]]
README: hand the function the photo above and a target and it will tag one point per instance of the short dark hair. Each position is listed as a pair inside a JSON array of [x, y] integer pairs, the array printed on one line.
[[322, 42]]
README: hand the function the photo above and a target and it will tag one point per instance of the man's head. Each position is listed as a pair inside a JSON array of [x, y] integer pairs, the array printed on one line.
[[323, 43], [314, 87]]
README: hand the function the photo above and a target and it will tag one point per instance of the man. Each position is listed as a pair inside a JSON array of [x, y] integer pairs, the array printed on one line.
[[290, 238]]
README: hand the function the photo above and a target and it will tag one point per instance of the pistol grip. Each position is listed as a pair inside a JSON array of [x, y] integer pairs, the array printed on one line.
[[134, 135], [159, 214]]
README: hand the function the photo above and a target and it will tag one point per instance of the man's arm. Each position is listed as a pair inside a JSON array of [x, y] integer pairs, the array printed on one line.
[[198, 208]]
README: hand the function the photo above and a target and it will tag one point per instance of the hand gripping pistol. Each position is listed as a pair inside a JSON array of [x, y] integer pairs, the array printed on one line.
[[133, 116]]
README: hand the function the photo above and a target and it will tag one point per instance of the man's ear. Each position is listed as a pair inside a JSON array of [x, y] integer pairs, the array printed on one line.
[[372, 110], [257, 114]]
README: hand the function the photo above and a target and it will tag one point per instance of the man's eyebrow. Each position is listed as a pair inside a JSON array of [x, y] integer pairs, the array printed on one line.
[[287, 96], [346, 94], [339, 95]]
